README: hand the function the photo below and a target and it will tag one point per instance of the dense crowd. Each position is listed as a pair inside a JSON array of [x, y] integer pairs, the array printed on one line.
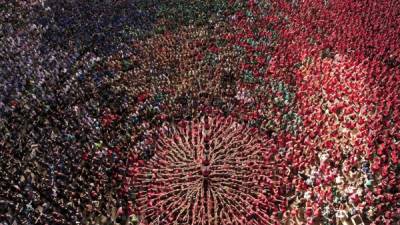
[[86, 86]]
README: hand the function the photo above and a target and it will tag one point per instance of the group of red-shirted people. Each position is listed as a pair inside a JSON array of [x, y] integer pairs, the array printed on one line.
[[83, 85]]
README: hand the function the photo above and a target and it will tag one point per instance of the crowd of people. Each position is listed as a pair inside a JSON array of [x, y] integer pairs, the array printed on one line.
[[51, 111], [85, 84]]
